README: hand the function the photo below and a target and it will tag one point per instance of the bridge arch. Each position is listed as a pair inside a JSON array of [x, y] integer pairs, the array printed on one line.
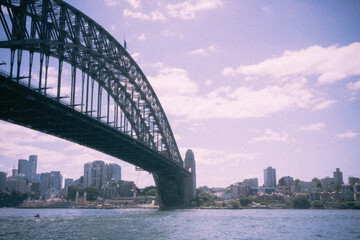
[[54, 29]]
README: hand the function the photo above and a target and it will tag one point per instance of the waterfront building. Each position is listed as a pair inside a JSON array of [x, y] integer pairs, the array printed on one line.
[[314, 196], [251, 182], [2, 181], [234, 189], [288, 181], [114, 172], [126, 188], [270, 177], [307, 187], [14, 172], [357, 191], [328, 184], [269, 190], [18, 184], [353, 180], [338, 177], [35, 186], [56, 180], [347, 193], [45, 184]]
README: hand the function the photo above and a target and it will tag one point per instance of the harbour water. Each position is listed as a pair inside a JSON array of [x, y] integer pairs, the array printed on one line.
[[178, 224]]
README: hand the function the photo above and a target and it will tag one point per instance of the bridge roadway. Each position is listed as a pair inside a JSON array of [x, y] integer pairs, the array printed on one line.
[[25, 106]]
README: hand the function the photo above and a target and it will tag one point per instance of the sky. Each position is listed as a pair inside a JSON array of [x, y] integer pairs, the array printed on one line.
[[245, 84]]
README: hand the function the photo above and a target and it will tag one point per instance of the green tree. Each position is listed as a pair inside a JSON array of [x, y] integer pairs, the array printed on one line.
[[317, 204], [233, 203], [91, 193], [301, 202], [317, 181], [12, 200], [244, 201], [146, 189], [72, 192], [281, 181], [151, 192], [296, 182], [205, 199]]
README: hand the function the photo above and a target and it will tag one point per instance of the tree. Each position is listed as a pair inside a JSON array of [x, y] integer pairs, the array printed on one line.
[[91, 193], [317, 204], [244, 201], [72, 192], [233, 203], [317, 181], [151, 192], [296, 182], [301, 202], [205, 199], [146, 189], [281, 181]]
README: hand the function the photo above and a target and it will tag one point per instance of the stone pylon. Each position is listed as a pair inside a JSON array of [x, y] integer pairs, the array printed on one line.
[[189, 164]]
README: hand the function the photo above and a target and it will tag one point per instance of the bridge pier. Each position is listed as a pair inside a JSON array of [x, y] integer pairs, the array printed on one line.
[[177, 190]]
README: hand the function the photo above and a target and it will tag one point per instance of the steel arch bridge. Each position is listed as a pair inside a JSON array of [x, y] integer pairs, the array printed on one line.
[[80, 84]]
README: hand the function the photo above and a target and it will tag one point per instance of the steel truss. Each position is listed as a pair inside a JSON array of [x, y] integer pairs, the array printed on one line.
[[53, 28]]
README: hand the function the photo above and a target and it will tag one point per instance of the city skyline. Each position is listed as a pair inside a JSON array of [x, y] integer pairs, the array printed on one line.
[[244, 84]]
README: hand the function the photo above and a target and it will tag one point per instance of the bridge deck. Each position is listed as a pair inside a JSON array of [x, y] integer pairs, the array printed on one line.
[[24, 106]]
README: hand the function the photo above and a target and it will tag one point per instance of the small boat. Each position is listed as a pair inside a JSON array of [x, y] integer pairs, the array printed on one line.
[[37, 215]]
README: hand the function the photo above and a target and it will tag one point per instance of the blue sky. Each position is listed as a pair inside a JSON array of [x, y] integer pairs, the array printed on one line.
[[244, 84]]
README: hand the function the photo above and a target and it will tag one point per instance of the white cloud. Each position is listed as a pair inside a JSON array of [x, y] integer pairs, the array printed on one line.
[[208, 82], [113, 27], [173, 82], [353, 86], [328, 64], [134, 3], [348, 134], [200, 51], [174, 88], [153, 16], [313, 127], [187, 10], [112, 3], [203, 51], [142, 37], [135, 56], [272, 136], [171, 34], [324, 104]]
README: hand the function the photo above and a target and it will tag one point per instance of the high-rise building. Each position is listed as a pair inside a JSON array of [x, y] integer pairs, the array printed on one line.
[[252, 182], [87, 168], [68, 182], [45, 183], [28, 168], [338, 177], [270, 177], [189, 164], [2, 181], [18, 183], [328, 184], [14, 172], [114, 171], [95, 174], [33, 165], [24, 167], [56, 180], [353, 180]]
